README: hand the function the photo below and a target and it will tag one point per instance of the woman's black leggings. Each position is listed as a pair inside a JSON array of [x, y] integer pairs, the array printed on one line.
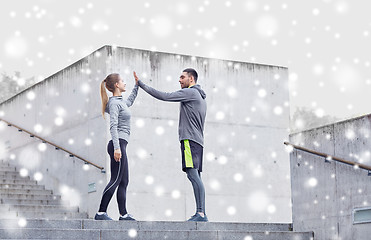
[[119, 177]]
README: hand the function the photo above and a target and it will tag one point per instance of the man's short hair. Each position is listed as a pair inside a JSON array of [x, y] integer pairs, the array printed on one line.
[[191, 72]]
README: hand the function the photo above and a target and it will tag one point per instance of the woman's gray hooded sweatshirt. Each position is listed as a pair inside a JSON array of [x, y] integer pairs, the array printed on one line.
[[120, 115], [192, 110]]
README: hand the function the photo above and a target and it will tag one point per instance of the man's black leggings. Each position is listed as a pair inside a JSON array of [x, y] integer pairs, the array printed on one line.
[[119, 177], [198, 188]]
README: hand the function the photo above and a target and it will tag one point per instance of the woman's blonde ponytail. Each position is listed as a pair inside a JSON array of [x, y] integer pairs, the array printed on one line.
[[103, 95]]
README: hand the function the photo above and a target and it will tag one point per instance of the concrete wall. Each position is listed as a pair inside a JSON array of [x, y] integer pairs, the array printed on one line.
[[246, 170], [62, 109], [325, 194]]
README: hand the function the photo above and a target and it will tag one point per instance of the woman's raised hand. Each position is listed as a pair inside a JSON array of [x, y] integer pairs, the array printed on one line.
[[136, 78]]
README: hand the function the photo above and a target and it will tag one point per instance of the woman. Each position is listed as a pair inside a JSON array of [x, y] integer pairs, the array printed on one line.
[[119, 112]]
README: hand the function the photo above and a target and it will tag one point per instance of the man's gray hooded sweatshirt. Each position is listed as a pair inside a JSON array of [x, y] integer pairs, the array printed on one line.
[[120, 115], [192, 110]]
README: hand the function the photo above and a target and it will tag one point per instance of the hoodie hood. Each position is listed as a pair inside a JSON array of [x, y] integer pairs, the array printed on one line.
[[202, 92], [112, 100]]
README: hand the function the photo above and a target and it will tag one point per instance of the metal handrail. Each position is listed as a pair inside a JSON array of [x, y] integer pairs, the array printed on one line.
[[329, 157], [55, 145]]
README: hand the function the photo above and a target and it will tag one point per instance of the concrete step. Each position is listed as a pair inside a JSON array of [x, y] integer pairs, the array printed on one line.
[[15, 176], [42, 223], [31, 233], [38, 208], [4, 172], [18, 181], [7, 173], [21, 186], [26, 191], [7, 168], [3, 163], [29, 196], [91, 229], [43, 215], [149, 225], [27, 233], [35, 202]]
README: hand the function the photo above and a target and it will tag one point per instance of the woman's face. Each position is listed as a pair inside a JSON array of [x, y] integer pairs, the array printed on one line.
[[121, 85]]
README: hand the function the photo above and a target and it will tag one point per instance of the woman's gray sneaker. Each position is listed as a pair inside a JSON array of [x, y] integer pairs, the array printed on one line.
[[127, 217], [103, 216]]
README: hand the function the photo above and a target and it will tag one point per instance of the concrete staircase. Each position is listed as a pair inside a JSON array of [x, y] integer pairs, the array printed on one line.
[[100, 230], [28, 211], [21, 197]]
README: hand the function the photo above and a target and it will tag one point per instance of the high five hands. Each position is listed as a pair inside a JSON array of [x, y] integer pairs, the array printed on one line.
[[136, 78]]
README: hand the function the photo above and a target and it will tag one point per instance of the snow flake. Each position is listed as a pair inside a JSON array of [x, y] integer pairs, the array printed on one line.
[[210, 156], [220, 115], [168, 213], [149, 180], [75, 22], [85, 87], [182, 9], [132, 233], [70, 195], [267, 26], [271, 209], [232, 92], [141, 153], [175, 194], [42, 147], [161, 26], [222, 160], [16, 47], [88, 141], [159, 191], [38, 176], [58, 121], [160, 130], [258, 201], [214, 184], [86, 167], [22, 222], [23, 172], [238, 177], [312, 182], [350, 134], [100, 27], [258, 171], [319, 112], [38, 128], [231, 210], [251, 5], [342, 7], [278, 110], [262, 93], [140, 123]]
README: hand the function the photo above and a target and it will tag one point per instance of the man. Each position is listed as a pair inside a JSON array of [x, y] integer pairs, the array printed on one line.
[[191, 127]]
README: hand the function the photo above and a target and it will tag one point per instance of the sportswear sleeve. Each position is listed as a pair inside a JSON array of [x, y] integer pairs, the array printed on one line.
[[114, 119], [182, 95], [133, 95]]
